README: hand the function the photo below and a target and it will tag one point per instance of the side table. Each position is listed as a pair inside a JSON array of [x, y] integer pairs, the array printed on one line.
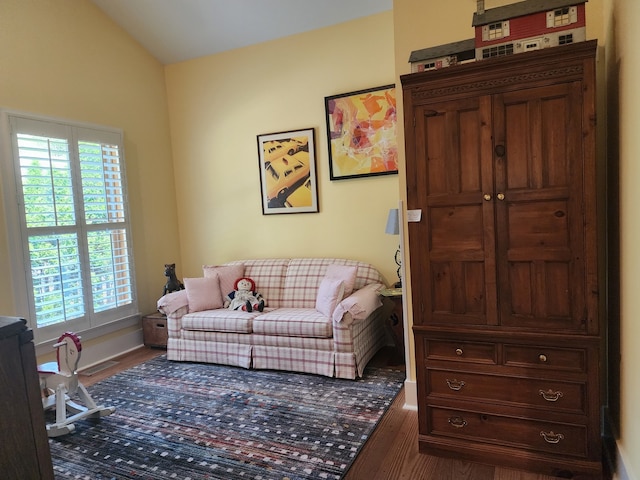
[[395, 323], [154, 330]]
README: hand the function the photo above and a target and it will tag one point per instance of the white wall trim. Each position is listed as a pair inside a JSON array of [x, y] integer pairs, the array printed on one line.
[[44, 348], [622, 472], [107, 350], [410, 395]]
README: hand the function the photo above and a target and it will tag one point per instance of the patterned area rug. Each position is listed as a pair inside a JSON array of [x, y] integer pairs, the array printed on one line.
[[198, 421]]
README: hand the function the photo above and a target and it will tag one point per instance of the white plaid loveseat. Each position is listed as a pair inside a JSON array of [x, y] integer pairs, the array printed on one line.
[[290, 334]]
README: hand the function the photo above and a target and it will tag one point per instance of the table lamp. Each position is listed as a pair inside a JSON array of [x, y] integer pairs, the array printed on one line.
[[393, 228]]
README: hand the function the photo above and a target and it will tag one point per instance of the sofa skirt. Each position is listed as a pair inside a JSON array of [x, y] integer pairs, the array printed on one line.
[[182, 350], [320, 362]]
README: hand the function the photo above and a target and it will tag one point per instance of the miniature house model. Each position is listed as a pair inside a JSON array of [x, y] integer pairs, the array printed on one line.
[[442, 56], [515, 28], [528, 25]]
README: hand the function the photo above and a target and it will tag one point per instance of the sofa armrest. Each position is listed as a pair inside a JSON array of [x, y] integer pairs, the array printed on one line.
[[171, 302], [174, 322], [360, 304], [175, 306]]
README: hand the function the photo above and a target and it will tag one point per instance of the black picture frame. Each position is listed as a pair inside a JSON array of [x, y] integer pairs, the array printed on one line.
[[288, 181]]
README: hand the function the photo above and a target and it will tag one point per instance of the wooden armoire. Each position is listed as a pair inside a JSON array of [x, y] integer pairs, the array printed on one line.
[[506, 289]]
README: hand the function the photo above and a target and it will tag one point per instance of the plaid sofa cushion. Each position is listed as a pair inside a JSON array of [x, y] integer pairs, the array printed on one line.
[[220, 320], [294, 322], [304, 276], [269, 274]]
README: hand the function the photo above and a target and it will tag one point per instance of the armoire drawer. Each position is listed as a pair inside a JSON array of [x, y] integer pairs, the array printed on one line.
[[568, 359], [560, 396], [473, 352], [535, 435]]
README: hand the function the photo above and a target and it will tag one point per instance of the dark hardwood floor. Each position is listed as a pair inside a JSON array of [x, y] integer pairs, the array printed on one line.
[[392, 451]]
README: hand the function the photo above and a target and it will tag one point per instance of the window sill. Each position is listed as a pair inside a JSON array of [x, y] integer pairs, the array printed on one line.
[[44, 348]]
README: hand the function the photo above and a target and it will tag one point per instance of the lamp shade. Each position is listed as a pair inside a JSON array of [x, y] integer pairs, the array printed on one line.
[[393, 225]]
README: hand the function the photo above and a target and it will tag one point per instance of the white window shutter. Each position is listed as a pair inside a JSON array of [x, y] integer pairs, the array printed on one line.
[[74, 237]]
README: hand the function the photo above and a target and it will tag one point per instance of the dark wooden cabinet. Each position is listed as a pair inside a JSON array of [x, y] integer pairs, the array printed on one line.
[[504, 260], [24, 450]]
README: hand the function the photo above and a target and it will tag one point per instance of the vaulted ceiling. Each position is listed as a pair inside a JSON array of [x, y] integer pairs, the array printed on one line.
[[178, 30]]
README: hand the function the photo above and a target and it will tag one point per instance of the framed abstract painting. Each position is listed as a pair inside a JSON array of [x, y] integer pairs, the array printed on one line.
[[361, 130], [287, 163]]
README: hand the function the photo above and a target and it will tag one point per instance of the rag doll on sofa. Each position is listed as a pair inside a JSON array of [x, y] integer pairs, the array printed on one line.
[[244, 296]]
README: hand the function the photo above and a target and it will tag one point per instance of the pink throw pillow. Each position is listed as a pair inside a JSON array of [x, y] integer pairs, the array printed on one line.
[[345, 273], [329, 295], [228, 275], [203, 293]]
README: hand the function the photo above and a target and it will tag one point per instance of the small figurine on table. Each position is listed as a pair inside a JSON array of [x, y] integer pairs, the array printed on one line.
[[173, 284]]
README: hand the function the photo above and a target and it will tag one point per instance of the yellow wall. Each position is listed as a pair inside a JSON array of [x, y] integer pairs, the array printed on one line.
[[219, 104], [624, 78], [65, 58]]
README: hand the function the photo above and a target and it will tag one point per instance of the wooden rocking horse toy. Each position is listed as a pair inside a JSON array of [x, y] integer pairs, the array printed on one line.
[[59, 380]]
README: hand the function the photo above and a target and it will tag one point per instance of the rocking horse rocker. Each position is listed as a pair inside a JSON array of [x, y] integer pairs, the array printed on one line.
[[59, 380]]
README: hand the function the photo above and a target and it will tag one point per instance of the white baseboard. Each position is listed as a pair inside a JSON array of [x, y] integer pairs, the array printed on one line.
[[103, 351], [623, 471], [616, 457], [410, 395]]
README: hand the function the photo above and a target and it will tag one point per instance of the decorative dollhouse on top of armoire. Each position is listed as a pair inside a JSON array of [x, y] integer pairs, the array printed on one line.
[[528, 25], [514, 28], [435, 58]]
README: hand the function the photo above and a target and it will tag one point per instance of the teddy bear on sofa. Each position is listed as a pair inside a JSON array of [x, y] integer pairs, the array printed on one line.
[[244, 296]]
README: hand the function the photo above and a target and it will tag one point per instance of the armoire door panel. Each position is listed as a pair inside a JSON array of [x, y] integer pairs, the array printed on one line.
[[538, 225], [541, 296], [453, 282], [537, 128], [456, 229], [458, 289], [452, 137], [539, 220], [456, 266]]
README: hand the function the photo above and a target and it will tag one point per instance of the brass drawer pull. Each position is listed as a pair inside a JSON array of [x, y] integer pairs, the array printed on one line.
[[457, 422], [455, 384], [550, 395], [551, 437], [459, 352], [542, 358]]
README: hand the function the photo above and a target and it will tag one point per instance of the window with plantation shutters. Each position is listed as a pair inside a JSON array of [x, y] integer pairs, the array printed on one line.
[[75, 237]]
